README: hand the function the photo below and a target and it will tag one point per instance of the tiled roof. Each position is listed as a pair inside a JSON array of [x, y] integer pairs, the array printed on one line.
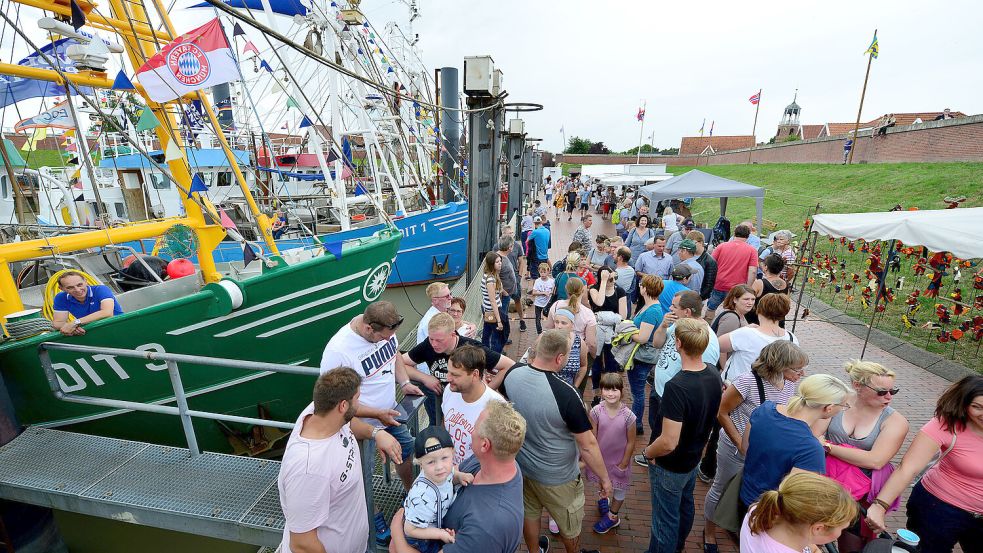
[[697, 144], [811, 131], [903, 119]]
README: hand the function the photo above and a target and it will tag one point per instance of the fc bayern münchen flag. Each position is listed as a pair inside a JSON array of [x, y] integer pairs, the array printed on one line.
[[195, 60], [15, 89]]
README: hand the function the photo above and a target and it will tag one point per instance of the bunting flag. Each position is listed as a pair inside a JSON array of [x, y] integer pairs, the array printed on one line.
[[291, 103], [248, 255], [874, 47], [227, 222], [195, 60], [172, 152], [360, 190], [266, 66], [755, 98], [69, 133], [306, 123], [284, 126], [197, 185], [250, 47], [334, 248], [122, 82], [237, 30], [32, 143], [147, 121], [58, 117], [78, 16]]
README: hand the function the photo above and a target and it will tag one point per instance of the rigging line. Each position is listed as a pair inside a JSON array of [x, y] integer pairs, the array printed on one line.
[[266, 30], [68, 83]]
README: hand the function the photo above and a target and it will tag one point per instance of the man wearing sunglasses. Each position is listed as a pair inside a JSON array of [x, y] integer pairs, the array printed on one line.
[[369, 345]]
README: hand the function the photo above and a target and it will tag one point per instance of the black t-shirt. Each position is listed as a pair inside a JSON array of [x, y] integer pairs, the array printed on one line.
[[571, 197], [610, 302], [693, 399], [424, 353]]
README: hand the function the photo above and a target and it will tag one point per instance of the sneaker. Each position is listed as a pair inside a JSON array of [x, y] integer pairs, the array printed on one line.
[[710, 548], [639, 431], [382, 535], [641, 461], [544, 544], [554, 528], [606, 523], [703, 477], [522, 326], [603, 507]]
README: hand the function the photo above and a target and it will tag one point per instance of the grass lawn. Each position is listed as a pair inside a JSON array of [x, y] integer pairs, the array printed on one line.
[[43, 158]]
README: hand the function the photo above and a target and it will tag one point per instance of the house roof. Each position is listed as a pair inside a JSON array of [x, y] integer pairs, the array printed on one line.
[[903, 119], [698, 144], [811, 131]]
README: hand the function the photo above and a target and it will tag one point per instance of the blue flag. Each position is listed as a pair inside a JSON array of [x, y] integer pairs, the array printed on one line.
[[265, 66], [360, 190], [248, 254], [288, 8], [197, 185], [306, 123], [123, 82], [346, 150], [334, 248], [16, 89]]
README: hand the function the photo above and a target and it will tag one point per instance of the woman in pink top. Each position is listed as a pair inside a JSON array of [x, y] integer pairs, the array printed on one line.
[[946, 506], [808, 509]]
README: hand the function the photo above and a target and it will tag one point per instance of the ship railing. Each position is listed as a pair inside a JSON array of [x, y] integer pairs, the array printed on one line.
[[171, 360]]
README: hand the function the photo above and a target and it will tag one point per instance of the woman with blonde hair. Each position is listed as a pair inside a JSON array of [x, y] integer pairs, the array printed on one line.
[[806, 509], [492, 332], [584, 322], [569, 273], [863, 440], [772, 378], [778, 439]]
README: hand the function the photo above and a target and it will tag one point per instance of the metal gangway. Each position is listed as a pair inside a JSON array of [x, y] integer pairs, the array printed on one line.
[[209, 494]]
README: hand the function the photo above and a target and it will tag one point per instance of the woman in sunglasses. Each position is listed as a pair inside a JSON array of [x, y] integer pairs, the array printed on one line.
[[863, 439]]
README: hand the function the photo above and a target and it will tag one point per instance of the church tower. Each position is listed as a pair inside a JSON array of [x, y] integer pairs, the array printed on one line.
[[789, 125]]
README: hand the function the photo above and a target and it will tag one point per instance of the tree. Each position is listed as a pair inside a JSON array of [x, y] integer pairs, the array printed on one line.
[[647, 149], [792, 138], [577, 145], [598, 148]]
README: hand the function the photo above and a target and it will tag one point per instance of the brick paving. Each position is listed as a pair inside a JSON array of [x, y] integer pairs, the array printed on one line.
[[828, 347]]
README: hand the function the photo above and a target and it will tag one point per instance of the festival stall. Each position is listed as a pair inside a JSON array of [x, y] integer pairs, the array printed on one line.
[[697, 184]]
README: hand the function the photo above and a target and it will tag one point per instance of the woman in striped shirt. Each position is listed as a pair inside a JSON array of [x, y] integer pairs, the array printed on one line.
[[491, 303]]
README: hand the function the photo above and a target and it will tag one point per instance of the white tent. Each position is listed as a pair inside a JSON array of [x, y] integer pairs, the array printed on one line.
[[697, 184], [940, 230]]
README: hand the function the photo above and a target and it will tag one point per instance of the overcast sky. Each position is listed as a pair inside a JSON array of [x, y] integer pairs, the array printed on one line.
[[592, 63]]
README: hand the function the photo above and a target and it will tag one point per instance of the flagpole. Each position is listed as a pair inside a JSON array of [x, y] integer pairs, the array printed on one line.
[[863, 93], [641, 131], [754, 127], [563, 133]]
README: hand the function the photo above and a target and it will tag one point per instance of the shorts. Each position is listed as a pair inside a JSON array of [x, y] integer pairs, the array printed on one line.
[[425, 546], [570, 208], [583, 205], [564, 502], [402, 434]]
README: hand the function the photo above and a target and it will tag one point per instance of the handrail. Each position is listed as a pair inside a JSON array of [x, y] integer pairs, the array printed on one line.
[[171, 360]]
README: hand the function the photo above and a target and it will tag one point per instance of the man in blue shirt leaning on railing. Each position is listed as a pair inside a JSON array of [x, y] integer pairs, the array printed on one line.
[[87, 303]]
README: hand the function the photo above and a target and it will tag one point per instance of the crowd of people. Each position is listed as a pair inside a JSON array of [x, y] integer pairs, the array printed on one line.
[[691, 325]]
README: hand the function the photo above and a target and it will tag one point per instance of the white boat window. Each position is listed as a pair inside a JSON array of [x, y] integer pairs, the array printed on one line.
[[225, 178], [158, 181]]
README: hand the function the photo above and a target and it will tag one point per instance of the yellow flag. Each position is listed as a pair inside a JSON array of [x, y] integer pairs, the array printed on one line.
[[69, 132], [77, 173], [32, 142]]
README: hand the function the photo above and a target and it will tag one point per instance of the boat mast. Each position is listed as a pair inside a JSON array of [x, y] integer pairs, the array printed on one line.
[[262, 221]]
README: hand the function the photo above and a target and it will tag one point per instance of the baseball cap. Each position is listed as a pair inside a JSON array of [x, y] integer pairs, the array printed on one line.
[[432, 438], [688, 245], [537, 219], [681, 271], [689, 223]]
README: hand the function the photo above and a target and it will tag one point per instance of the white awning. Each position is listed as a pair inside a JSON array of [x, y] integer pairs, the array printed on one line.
[[941, 230]]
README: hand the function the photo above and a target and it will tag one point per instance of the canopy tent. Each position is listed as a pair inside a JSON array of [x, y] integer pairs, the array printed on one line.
[[630, 180], [697, 184], [940, 230]]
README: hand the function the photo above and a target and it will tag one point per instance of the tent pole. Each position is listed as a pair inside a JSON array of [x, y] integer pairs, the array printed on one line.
[[759, 203], [877, 298], [805, 272]]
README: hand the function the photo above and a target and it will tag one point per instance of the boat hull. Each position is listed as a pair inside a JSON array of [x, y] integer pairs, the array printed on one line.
[[288, 315]]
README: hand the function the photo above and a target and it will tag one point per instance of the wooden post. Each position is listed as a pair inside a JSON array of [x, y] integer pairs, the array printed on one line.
[[754, 127], [863, 93]]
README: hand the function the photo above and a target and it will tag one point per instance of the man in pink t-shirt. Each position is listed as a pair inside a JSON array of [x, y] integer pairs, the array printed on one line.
[[737, 263], [320, 480]]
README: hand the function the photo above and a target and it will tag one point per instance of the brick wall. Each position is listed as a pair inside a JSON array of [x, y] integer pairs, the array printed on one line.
[[934, 141]]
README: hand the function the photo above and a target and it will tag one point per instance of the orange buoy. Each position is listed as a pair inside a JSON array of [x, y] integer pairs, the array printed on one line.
[[178, 268]]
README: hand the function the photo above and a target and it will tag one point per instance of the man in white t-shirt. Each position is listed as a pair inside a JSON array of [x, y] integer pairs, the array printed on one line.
[[368, 344], [320, 481], [465, 397]]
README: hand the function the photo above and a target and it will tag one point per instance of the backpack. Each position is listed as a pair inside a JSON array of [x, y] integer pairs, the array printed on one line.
[[721, 230], [616, 217]]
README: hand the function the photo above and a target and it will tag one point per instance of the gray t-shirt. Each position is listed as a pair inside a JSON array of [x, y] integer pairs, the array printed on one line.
[[507, 274], [486, 517], [549, 453]]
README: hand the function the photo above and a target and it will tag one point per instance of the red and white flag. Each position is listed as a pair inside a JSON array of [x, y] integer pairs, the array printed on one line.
[[755, 99], [195, 60]]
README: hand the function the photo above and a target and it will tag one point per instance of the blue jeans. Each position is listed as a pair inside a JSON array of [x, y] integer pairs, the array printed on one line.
[[504, 313], [941, 525], [491, 337], [430, 404], [672, 508], [637, 377], [716, 298]]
